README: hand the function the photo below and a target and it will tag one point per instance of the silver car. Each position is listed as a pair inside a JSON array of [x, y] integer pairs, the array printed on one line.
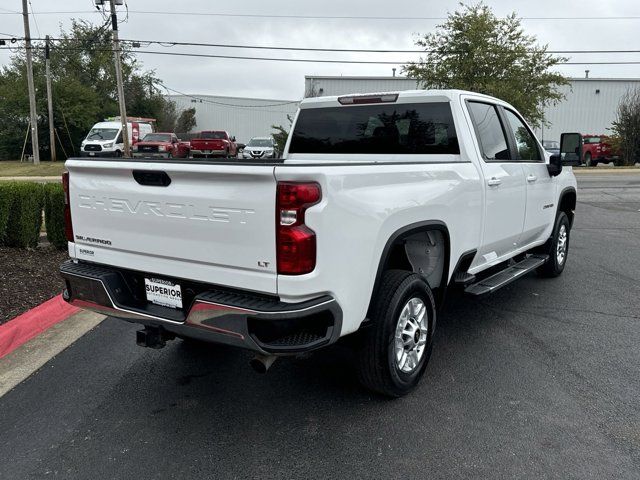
[[261, 147]]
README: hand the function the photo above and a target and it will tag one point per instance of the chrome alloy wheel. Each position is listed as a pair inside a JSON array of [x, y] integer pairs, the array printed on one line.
[[412, 330], [561, 245]]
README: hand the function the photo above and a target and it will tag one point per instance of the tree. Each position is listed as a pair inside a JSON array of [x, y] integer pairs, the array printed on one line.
[[84, 90], [186, 121], [626, 127], [282, 134], [475, 50]]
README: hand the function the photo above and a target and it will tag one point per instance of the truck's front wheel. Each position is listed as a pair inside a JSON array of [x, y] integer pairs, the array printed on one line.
[[558, 248], [396, 348]]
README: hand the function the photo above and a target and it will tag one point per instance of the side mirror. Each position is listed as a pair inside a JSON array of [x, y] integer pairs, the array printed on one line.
[[233, 139], [555, 165], [571, 149]]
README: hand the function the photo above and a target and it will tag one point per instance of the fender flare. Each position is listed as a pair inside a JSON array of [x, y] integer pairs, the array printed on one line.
[[407, 231], [566, 191]]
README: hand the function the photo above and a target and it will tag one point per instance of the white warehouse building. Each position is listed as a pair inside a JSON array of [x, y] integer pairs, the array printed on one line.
[[589, 107], [243, 117]]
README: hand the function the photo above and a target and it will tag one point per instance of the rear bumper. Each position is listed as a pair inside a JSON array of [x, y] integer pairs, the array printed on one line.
[[208, 153], [259, 323]]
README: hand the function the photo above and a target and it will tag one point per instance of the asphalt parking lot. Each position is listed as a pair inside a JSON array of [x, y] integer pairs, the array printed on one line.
[[540, 380]]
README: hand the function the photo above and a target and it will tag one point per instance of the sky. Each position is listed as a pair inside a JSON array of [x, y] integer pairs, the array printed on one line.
[[403, 21]]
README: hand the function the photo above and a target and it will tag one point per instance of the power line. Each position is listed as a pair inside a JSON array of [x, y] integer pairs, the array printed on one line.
[[300, 60], [168, 43], [35, 21], [317, 17]]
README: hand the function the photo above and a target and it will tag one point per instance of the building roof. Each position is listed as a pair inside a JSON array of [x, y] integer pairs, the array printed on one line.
[[364, 77]]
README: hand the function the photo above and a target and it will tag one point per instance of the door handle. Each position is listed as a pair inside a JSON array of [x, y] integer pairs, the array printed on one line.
[[531, 178], [494, 182]]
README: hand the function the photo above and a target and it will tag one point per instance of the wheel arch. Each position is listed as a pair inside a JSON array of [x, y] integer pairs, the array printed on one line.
[[567, 203], [394, 256]]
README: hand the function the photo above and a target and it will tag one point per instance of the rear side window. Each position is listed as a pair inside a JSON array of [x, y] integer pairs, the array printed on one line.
[[213, 135], [491, 137], [421, 128], [525, 142]]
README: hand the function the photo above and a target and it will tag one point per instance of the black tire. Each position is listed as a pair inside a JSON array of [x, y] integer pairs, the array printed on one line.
[[589, 161], [378, 367], [118, 154], [554, 265]]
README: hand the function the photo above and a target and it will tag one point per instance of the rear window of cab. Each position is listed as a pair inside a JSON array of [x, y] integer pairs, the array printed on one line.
[[414, 128]]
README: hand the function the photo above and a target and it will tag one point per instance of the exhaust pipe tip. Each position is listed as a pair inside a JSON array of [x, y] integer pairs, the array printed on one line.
[[262, 363]]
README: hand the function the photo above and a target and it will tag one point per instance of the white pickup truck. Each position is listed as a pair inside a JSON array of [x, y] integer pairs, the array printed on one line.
[[380, 203]]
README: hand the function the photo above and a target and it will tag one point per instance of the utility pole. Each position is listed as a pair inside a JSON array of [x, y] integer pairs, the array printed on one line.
[[116, 53], [52, 138], [32, 90]]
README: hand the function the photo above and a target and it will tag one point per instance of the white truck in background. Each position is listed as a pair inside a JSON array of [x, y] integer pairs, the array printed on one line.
[[380, 203], [105, 138]]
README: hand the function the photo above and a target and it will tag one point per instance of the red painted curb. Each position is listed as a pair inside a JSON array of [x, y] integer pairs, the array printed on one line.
[[33, 322]]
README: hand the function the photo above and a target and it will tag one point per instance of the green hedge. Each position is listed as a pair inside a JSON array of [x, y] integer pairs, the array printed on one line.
[[25, 215], [54, 214], [6, 197]]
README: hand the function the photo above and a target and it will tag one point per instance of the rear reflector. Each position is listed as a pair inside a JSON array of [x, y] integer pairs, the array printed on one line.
[[362, 99], [296, 243], [68, 226]]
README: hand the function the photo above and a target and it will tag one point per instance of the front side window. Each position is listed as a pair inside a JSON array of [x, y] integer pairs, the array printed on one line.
[[420, 128], [525, 142], [493, 141]]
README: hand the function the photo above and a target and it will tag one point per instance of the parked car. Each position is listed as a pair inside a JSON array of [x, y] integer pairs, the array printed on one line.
[[161, 145], [213, 143], [382, 203], [597, 149], [261, 147], [105, 138], [551, 146]]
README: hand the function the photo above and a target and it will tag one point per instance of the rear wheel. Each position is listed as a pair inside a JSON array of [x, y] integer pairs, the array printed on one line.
[[558, 248], [395, 349]]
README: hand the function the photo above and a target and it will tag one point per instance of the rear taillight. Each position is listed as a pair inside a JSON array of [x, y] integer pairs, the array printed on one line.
[[68, 226], [296, 243]]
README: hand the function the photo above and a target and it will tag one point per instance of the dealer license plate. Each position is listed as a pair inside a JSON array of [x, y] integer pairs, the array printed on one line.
[[163, 292]]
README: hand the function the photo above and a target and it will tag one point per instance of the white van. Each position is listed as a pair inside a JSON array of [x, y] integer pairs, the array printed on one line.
[[105, 138]]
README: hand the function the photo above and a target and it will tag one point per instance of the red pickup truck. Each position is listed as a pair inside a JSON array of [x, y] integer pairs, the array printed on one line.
[[161, 145], [213, 143], [597, 149]]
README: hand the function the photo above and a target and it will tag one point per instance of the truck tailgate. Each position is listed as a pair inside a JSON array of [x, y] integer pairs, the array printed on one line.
[[213, 223]]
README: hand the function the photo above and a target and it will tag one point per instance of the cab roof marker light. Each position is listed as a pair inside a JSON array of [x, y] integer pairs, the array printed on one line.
[[363, 99]]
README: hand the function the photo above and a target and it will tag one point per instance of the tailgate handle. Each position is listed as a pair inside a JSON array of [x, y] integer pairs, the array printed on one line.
[[151, 178]]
